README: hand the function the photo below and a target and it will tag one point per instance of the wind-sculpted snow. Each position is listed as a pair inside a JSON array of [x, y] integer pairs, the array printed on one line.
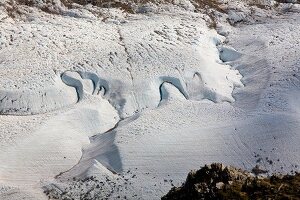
[[147, 94], [141, 99], [91, 77], [29, 102], [98, 83], [182, 131], [126, 62]]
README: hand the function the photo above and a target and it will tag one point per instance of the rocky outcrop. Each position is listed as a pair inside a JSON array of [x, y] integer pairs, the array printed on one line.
[[219, 182]]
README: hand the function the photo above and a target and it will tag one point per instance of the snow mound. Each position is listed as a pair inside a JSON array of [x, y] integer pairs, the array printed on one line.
[[29, 102]]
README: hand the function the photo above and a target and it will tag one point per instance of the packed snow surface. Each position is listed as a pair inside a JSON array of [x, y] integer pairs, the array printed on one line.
[[138, 100]]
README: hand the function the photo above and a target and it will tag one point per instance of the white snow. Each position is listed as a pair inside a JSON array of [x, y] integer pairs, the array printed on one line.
[[144, 97]]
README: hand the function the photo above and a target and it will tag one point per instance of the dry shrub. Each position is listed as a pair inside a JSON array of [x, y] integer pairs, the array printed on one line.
[[208, 4], [127, 5]]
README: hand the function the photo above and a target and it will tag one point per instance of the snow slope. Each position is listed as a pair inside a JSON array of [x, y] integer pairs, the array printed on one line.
[[141, 99]]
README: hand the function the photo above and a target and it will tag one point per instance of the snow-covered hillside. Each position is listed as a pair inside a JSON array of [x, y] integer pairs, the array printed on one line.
[[100, 102]]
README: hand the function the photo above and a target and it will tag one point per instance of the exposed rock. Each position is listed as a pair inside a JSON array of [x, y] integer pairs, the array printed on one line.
[[218, 182]]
